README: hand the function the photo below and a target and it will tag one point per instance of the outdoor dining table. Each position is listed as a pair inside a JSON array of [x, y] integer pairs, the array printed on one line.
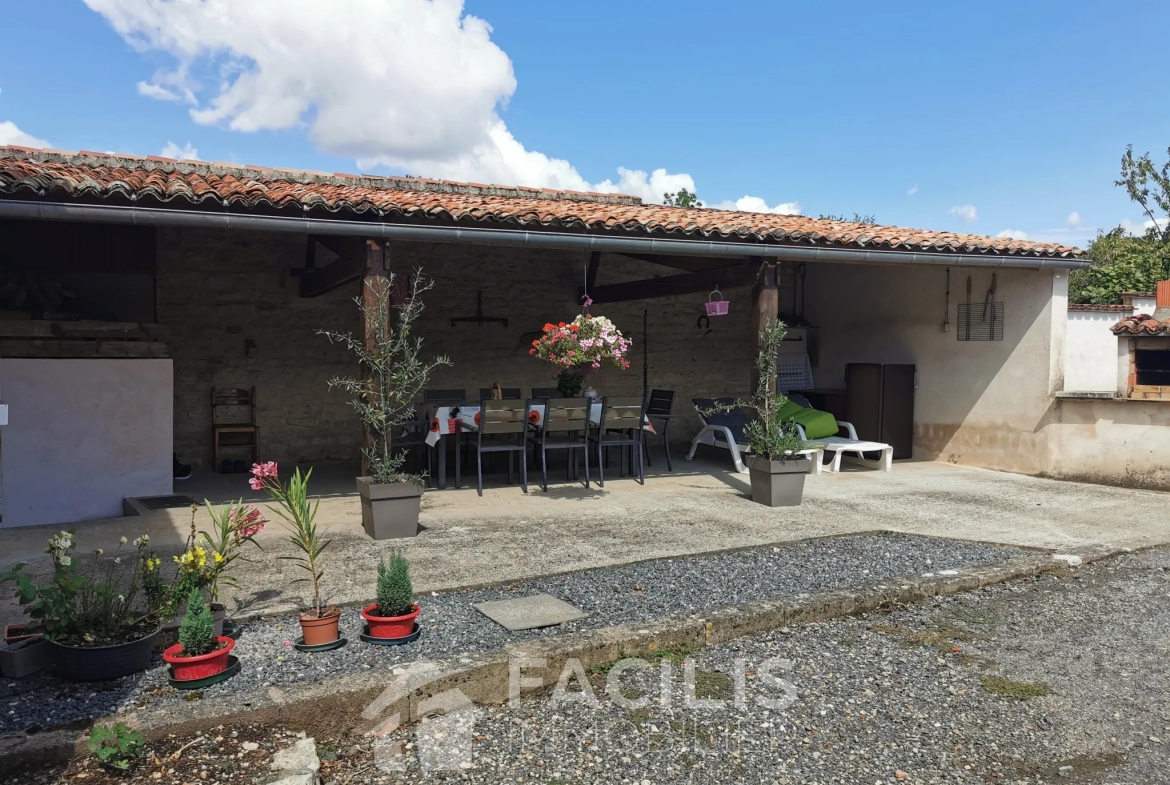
[[444, 418]]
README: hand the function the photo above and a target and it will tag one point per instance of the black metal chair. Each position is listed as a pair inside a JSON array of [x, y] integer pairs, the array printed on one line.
[[546, 392], [563, 426], [442, 396], [508, 393], [660, 407], [507, 419], [620, 426]]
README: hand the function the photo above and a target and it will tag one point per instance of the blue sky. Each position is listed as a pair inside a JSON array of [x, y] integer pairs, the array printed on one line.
[[982, 117]]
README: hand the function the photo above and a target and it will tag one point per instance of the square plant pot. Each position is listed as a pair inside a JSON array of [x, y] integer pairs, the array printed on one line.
[[24, 658], [389, 510], [777, 483]]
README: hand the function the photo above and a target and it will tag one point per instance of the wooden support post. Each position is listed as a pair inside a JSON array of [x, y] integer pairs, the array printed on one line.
[[765, 306], [375, 286]]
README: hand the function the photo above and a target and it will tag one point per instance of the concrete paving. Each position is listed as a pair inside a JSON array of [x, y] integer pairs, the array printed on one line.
[[701, 507]]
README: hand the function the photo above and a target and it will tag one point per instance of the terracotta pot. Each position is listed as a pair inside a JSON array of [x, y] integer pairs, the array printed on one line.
[[15, 633], [320, 630], [389, 626], [201, 666]]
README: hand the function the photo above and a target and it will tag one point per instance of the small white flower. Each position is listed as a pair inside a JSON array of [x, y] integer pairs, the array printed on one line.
[[122, 541], [117, 560], [98, 551], [65, 561]]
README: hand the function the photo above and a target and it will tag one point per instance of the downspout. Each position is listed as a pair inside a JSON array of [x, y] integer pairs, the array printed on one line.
[[515, 238]]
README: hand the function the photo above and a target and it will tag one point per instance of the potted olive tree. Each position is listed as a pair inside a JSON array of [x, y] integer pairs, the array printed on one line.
[[776, 467], [391, 619], [392, 382]]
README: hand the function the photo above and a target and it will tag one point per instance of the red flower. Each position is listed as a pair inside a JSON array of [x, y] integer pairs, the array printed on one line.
[[477, 418], [532, 351], [574, 327], [548, 326], [435, 425], [536, 342], [534, 417]]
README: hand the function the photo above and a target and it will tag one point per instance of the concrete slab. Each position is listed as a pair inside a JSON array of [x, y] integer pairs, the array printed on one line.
[[528, 613]]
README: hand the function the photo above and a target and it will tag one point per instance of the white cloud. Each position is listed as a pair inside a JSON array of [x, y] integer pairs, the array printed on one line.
[[184, 153], [1074, 220], [754, 204], [965, 211], [913, 190], [157, 91], [11, 134], [413, 85], [1013, 234]]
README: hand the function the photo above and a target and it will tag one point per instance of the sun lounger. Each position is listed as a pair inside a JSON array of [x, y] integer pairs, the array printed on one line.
[[725, 429], [839, 445]]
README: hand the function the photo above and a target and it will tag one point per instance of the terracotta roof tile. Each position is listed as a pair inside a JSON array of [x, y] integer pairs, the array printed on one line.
[[1141, 324], [25, 172], [1110, 307]]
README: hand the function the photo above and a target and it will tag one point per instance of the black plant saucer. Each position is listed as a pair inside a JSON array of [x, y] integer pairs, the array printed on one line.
[[367, 638], [337, 644]]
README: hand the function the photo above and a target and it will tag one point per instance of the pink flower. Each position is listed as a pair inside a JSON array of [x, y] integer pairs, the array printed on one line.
[[262, 470], [256, 483]]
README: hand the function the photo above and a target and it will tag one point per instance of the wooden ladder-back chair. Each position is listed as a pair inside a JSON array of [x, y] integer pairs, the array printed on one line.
[[234, 433]]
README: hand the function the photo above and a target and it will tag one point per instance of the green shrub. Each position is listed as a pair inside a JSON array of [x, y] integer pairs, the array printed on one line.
[[197, 630], [116, 747], [395, 593]]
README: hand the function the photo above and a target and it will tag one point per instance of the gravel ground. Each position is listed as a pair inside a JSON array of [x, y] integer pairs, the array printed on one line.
[[934, 693], [672, 587]]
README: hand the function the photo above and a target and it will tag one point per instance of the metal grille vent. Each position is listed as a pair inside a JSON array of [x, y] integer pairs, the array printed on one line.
[[977, 322]]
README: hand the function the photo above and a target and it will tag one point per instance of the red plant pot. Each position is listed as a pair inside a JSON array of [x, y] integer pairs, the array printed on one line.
[[389, 626], [191, 668]]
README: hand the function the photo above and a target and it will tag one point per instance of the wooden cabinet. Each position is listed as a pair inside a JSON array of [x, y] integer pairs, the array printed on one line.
[[880, 404]]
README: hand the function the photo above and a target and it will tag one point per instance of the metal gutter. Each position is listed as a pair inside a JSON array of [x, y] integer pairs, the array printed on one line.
[[513, 238]]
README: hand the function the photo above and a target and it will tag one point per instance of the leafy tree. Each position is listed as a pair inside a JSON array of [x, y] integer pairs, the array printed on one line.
[[683, 198], [1138, 177], [1123, 262], [857, 218]]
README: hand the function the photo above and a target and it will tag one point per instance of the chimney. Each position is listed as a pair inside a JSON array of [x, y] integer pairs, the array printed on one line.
[[1162, 309]]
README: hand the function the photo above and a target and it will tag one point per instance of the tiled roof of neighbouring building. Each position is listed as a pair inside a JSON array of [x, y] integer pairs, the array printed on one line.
[[119, 179], [1142, 324]]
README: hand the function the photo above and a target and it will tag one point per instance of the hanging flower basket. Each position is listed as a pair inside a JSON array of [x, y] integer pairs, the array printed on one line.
[[589, 341], [717, 307]]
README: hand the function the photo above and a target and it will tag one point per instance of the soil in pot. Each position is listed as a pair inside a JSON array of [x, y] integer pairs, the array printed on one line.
[[102, 660], [318, 630], [15, 633], [389, 626], [201, 666]]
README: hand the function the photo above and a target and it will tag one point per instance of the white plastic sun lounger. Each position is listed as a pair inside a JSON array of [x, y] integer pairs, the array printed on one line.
[[839, 445], [717, 432]]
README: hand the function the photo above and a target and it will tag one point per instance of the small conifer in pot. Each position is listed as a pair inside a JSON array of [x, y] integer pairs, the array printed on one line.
[[394, 612], [199, 654]]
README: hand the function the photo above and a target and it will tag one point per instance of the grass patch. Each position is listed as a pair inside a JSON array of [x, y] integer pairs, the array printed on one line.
[[1021, 690], [713, 684], [638, 717], [971, 615], [942, 635]]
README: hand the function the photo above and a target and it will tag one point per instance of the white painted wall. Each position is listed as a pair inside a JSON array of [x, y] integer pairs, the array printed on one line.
[[1090, 351], [978, 403], [82, 435]]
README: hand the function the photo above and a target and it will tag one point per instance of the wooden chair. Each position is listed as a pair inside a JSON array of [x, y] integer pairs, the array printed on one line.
[[621, 426], [546, 392], [234, 433], [564, 426], [508, 419], [444, 396], [660, 407]]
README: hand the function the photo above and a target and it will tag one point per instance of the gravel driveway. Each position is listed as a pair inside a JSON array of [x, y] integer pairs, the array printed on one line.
[[1056, 679]]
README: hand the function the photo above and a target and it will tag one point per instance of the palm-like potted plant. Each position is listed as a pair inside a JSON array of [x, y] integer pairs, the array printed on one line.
[[776, 467], [394, 376], [392, 617], [97, 621], [200, 653], [319, 624]]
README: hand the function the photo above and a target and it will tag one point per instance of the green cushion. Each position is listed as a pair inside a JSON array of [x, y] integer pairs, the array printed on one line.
[[790, 409], [817, 424]]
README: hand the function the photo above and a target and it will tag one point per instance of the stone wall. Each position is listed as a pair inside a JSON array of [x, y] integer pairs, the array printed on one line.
[[220, 289]]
